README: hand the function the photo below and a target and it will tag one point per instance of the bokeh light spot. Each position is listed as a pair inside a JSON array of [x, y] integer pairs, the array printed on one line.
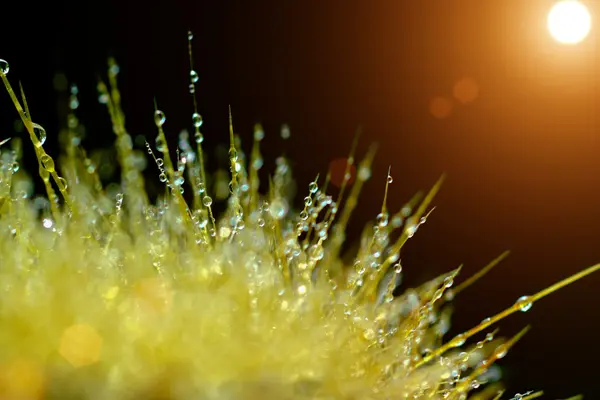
[[440, 107], [466, 90], [569, 21], [337, 171], [80, 345], [21, 379], [153, 295]]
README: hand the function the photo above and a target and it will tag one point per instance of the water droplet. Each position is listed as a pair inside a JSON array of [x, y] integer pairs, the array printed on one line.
[[313, 187], [190, 35], [47, 222], [207, 201], [114, 70], [316, 252], [259, 133], [159, 118], [411, 229], [285, 131], [91, 167], [4, 67], [448, 282], [192, 88], [199, 137], [390, 179], [382, 219], [524, 303], [393, 258], [458, 340], [302, 289], [193, 76], [364, 173], [160, 162], [40, 133], [103, 98], [308, 201], [397, 221], [47, 162], [279, 208], [160, 144], [501, 351], [241, 224], [303, 215], [62, 183], [197, 119], [162, 177], [43, 173], [257, 163], [179, 181]]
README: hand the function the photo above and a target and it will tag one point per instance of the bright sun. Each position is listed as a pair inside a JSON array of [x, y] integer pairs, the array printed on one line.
[[569, 21]]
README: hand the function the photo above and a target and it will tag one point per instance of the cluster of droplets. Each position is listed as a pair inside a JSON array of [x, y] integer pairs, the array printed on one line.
[[8, 167], [522, 396], [160, 163], [194, 78], [179, 172], [293, 253], [461, 363], [8, 160], [160, 141]]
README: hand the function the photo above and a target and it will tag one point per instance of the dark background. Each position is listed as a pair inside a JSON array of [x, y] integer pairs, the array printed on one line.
[[522, 159]]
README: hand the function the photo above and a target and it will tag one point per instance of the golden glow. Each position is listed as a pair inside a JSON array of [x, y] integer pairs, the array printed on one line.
[[569, 21], [21, 379], [80, 345]]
